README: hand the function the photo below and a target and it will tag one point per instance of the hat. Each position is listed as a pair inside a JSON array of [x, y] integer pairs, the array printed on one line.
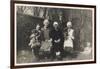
[[69, 23], [55, 23], [45, 21], [37, 25]]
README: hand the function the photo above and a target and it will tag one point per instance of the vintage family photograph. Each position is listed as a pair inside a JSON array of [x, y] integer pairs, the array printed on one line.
[[49, 34]]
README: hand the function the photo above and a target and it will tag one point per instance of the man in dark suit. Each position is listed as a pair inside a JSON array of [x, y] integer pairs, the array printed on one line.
[[57, 42]]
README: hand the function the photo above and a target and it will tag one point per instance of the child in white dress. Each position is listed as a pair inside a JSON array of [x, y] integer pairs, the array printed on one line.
[[69, 36]]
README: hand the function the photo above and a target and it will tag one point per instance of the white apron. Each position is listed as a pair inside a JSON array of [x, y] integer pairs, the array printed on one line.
[[69, 41], [46, 45]]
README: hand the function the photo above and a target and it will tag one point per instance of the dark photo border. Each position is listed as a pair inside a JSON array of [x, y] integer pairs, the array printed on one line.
[[12, 33]]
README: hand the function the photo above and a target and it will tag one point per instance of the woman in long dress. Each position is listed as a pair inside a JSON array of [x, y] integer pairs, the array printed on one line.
[[69, 36], [46, 40]]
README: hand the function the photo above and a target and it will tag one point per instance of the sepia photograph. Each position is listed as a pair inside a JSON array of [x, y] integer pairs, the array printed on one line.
[[47, 34]]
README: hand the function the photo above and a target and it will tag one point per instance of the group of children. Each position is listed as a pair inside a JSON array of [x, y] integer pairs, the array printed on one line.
[[52, 40]]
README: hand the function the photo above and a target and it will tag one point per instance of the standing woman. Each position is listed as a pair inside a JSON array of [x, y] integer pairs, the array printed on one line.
[[45, 35], [69, 37]]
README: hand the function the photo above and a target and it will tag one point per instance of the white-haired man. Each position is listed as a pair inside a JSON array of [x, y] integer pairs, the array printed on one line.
[[46, 40]]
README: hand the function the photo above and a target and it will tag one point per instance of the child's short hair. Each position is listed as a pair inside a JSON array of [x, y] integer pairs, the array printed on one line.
[[34, 31]]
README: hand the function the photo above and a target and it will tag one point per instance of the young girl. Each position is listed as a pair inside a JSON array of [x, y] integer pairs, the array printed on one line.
[[69, 36]]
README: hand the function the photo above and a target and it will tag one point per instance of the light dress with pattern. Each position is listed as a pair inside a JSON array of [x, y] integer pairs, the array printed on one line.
[[70, 37]]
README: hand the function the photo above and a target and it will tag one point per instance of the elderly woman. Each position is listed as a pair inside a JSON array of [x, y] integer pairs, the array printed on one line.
[[69, 36], [57, 42]]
